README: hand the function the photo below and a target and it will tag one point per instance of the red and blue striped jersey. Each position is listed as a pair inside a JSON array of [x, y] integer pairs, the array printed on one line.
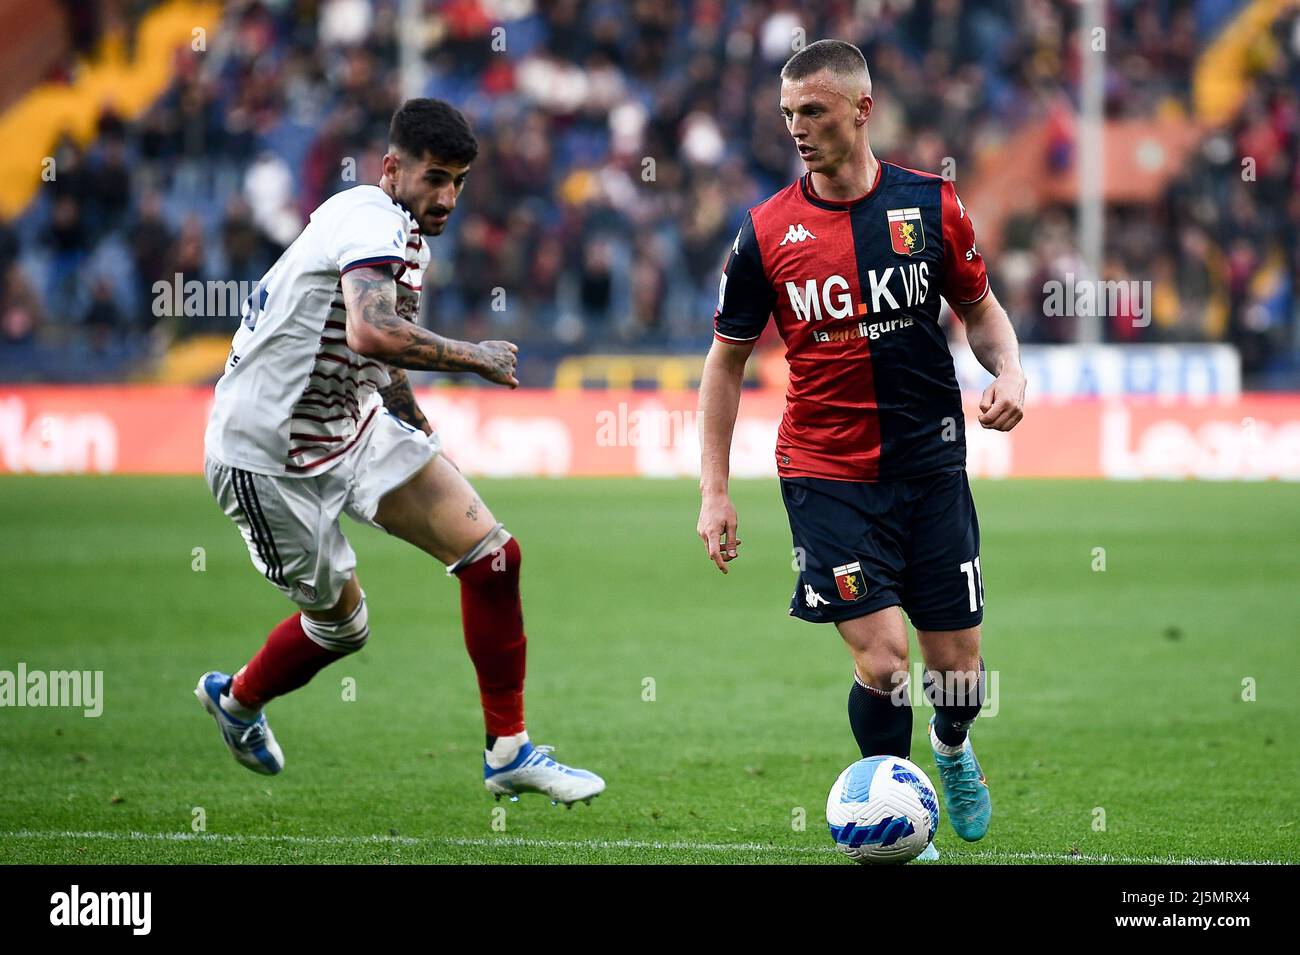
[[855, 288]]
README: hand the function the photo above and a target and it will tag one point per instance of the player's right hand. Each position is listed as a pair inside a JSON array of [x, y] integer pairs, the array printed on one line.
[[499, 360], [717, 528]]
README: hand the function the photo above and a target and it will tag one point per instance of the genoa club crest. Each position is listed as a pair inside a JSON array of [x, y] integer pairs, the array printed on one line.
[[906, 234], [849, 580]]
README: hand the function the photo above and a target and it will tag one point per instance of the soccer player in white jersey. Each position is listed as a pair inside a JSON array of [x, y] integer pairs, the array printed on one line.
[[314, 417]]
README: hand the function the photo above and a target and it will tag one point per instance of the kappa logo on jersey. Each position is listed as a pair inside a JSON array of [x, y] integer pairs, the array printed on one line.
[[797, 234], [849, 580], [906, 234], [812, 598]]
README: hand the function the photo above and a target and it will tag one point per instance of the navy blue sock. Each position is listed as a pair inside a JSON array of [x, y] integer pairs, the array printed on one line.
[[880, 725], [955, 706]]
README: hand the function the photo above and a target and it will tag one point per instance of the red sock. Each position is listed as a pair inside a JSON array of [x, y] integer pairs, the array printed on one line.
[[494, 635], [287, 660]]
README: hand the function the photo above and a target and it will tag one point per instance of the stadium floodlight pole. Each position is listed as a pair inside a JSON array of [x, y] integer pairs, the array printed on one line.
[[1090, 144], [411, 53]]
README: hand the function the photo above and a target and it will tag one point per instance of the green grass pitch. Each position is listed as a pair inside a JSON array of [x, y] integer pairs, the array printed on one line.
[[1119, 696]]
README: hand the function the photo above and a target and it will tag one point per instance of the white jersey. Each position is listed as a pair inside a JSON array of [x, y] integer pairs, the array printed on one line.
[[294, 397]]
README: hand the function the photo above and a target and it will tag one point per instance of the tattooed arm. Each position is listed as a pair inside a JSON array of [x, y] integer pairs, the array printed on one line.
[[400, 400], [376, 331]]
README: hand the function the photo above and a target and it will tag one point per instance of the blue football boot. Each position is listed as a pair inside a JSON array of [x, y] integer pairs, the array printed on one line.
[[533, 771], [251, 743]]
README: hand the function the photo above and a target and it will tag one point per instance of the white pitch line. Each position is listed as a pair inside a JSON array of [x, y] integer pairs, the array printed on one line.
[[996, 856], [599, 844], [993, 856], [515, 842], [211, 837]]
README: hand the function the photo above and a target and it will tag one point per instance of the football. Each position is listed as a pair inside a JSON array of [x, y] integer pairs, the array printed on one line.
[[882, 810]]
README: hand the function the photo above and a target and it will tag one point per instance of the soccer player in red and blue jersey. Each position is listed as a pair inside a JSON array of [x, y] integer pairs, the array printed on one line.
[[852, 260]]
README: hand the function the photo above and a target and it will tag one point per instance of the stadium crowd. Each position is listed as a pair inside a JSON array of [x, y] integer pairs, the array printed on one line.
[[621, 144]]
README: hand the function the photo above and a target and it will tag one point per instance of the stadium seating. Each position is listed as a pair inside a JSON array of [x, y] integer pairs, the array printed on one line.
[[620, 153]]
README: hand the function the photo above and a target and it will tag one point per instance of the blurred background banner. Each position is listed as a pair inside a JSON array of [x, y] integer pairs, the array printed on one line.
[[546, 433], [1132, 168]]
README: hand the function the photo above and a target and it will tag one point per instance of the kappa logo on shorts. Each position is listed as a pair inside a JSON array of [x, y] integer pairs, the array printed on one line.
[[812, 598], [849, 579], [307, 590]]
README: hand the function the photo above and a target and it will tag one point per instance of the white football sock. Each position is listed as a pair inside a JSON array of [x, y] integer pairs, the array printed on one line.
[[943, 748], [505, 749], [232, 707]]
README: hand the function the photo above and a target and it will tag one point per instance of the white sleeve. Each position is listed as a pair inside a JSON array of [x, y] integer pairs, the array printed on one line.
[[370, 231]]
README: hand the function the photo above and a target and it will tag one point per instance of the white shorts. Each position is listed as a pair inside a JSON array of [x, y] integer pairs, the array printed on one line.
[[291, 525]]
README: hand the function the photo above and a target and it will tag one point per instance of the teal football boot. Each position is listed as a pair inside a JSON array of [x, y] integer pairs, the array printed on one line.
[[965, 791]]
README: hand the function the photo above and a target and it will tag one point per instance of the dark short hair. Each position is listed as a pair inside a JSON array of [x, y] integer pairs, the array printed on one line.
[[432, 126], [834, 55]]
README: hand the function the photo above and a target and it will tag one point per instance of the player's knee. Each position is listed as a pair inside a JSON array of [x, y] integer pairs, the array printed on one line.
[[881, 667], [342, 636], [952, 660], [959, 691]]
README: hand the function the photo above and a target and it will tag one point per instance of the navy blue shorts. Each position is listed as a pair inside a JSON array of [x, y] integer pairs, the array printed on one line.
[[863, 547]]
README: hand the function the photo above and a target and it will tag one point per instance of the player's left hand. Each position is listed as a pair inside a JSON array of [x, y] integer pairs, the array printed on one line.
[[499, 362], [1003, 403]]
